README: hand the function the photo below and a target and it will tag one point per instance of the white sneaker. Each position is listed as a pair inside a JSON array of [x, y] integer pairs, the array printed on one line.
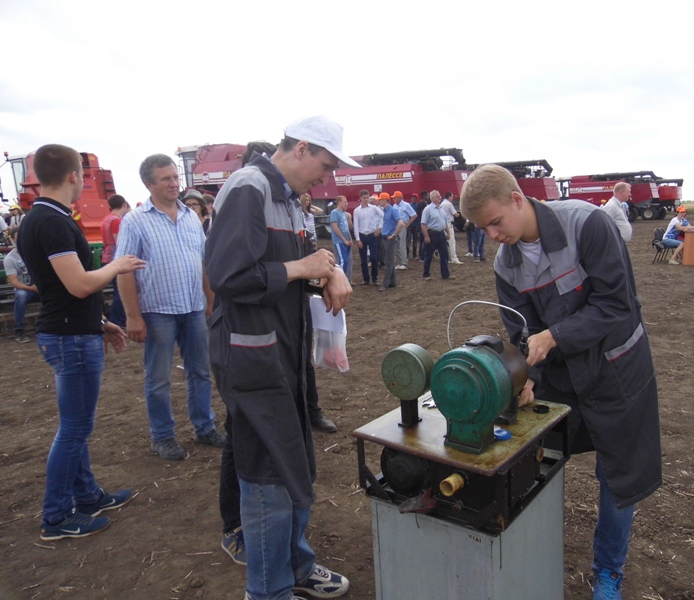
[[401, 268], [456, 262], [468, 254]]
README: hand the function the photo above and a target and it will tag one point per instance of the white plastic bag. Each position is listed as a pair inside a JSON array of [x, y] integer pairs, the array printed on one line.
[[329, 337]]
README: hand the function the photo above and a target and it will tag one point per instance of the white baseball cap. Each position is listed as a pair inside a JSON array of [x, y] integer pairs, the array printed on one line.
[[322, 132]]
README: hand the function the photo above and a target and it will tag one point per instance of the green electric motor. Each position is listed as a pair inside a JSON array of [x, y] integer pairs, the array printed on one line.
[[472, 385]]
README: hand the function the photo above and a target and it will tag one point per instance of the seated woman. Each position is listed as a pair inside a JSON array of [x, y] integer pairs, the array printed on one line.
[[674, 234]]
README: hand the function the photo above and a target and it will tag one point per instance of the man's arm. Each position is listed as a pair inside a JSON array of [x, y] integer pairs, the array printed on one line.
[[81, 283], [18, 285], [338, 233], [135, 324]]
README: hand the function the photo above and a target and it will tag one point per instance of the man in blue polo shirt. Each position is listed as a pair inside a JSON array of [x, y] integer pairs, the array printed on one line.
[[435, 233], [392, 226]]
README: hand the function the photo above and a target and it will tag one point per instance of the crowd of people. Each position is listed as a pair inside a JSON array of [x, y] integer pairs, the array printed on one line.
[[227, 279]]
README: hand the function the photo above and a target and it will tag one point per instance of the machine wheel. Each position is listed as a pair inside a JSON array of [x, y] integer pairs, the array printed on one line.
[[633, 214], [650, 214], [662, 213]]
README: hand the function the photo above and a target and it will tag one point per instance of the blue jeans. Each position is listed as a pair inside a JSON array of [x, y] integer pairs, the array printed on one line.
[[276, 548], [21, 299], [478, 238], [77, 361], [369, 243], [189, 331], [611, 540]]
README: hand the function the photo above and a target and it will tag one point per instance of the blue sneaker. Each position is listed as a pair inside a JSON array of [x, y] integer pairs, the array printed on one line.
[[323, 584], [607, 585], [232, 544], [75, 526], [106, 502]]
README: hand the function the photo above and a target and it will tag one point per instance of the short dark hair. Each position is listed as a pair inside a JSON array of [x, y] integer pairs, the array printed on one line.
[[54, 162], [288, 144], [447, 195], [116, 201], [156, 161], [363, 193], [260, 148]]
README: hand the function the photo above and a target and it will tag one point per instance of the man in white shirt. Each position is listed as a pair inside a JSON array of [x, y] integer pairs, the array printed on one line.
[[615, 208], [368, 220], [451, 213]]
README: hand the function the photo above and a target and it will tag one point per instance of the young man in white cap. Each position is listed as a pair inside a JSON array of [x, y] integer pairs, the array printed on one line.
[[259, 270]]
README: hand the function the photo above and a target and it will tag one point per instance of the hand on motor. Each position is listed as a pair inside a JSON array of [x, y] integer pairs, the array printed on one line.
[[527, 394], [539, 346]]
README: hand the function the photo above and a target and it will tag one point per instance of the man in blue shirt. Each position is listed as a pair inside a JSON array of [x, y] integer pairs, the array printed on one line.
[[339, 230], [167, 303], [435, 233], [392, 226]]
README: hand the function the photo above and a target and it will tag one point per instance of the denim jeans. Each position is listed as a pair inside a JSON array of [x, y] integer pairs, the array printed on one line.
[[478, 241], [611, 539], [77, 361], [189, 331], [369, 253], [276, 548], [21, 299]]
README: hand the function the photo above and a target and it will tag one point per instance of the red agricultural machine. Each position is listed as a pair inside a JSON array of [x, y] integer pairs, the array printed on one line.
[[91, 207], [652, 197]]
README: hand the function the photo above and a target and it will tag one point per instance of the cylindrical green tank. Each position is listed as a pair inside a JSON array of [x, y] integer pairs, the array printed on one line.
[[406, 371]]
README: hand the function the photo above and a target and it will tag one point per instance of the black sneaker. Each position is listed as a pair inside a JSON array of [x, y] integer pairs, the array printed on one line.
[[168, 449], [213, 438], [21, 338], [75, 526], [323, 584], [322, 424], [106, 502], [232, 544]]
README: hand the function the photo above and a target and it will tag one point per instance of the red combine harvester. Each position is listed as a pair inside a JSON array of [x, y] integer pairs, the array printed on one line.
[[533, 178], [205, 168], [91, 207], [652, 197]]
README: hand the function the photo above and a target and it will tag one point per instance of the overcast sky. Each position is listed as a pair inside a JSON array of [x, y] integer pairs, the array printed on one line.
[[605, 86]]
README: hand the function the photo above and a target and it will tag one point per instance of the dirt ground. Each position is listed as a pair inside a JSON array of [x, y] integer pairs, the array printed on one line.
[[166, 543]]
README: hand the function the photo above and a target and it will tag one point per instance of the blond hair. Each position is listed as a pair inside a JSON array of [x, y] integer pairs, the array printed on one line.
[[620, 187], [488, 182]]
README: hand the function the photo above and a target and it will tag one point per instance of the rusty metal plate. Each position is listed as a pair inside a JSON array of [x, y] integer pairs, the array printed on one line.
[[426, 438]]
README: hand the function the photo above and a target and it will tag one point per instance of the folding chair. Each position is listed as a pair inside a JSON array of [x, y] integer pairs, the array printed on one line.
[[661, 252]]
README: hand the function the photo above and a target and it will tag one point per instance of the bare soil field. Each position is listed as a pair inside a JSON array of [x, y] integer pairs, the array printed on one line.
[[166, 543]]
